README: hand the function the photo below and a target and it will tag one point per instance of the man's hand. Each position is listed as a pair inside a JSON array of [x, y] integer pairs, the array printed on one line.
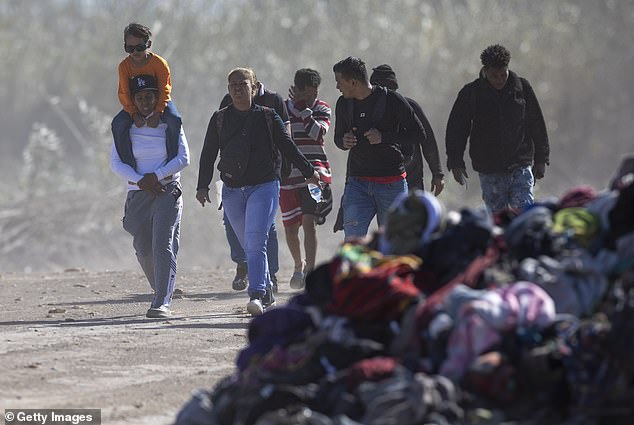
[[298, 97], [539, 170], [374, 136], [202, 196], [460, 175], [139, 120], [150, 183], [314, 179], [349, 139], [437, 185], [153, 120]]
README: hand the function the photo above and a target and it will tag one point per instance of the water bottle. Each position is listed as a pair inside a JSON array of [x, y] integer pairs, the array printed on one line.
[[315, 192]]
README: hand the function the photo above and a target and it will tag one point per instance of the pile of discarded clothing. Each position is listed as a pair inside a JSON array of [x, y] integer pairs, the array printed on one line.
[[455, 318]]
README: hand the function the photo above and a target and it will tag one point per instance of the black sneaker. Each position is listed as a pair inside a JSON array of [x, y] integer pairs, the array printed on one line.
[[274, 284], [268, 300], [297, 280], [241, 280]]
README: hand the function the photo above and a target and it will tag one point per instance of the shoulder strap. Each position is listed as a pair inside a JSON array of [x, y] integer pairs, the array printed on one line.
[[268, 114], [286, 166], [379, 107], [220, 116], [350, 112]]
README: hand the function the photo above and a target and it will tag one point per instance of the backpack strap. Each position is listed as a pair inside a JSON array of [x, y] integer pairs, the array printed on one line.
[[379, 107], [220, 117], [350, 112], [286, 164], [268, 116]]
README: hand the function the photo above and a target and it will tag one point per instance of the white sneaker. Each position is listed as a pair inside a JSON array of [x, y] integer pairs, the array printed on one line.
[[159, 313], [254, 307]]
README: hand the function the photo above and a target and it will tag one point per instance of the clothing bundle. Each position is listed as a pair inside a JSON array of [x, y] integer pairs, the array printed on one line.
[[525, 321]]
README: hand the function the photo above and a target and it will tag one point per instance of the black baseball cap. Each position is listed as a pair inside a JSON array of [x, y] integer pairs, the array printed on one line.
[[141, 83]]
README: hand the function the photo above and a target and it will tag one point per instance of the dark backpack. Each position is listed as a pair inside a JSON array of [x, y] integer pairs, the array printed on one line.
[[268, 115]]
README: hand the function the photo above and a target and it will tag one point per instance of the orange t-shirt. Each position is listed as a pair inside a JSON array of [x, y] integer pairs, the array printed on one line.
[[157, 67]]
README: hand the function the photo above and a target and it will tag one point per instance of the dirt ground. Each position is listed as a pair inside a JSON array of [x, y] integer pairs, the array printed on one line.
[[80, 339]]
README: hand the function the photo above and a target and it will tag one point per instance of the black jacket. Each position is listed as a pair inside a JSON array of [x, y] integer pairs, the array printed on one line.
[[399, 127], [505, 128], [264, 162], [429, 149]]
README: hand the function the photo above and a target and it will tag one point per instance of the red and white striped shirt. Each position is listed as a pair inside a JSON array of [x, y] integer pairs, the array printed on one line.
[[308, 128]]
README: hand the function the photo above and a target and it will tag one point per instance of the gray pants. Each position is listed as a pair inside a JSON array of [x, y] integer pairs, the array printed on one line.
[[154, 223]]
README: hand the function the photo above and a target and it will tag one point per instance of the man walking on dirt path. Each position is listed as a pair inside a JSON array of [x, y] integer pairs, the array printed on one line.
[[377, 126], [384, 75], [310, 120], [499, 114], [150, 160]]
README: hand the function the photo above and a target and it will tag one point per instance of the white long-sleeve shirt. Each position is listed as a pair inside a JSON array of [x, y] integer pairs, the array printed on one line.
[[150, 153]]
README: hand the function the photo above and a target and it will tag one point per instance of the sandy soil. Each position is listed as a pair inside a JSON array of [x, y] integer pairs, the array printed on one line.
[[80, 339]]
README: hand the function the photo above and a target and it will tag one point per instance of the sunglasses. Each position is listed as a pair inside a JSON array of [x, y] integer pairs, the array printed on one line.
[[138, 48]]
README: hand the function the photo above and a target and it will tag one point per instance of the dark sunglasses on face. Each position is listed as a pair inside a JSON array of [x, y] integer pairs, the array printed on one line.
[[138, 47]]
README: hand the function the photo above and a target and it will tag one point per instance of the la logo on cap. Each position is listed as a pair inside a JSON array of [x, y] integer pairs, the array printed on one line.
[[142, 82]]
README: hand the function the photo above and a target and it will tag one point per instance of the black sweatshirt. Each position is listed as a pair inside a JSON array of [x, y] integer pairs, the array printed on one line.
[[264, 162], [386, 158], [429, 151], [505, 128]]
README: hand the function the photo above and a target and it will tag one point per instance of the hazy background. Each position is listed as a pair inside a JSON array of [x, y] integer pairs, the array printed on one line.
[[61, 206]]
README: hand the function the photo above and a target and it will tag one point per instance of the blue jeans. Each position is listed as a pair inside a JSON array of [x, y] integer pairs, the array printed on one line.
[[362, 200], [508, 190], [251, 211], [237, 252]]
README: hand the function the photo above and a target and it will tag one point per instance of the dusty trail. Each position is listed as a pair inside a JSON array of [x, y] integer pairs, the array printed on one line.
[[80, 339]]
